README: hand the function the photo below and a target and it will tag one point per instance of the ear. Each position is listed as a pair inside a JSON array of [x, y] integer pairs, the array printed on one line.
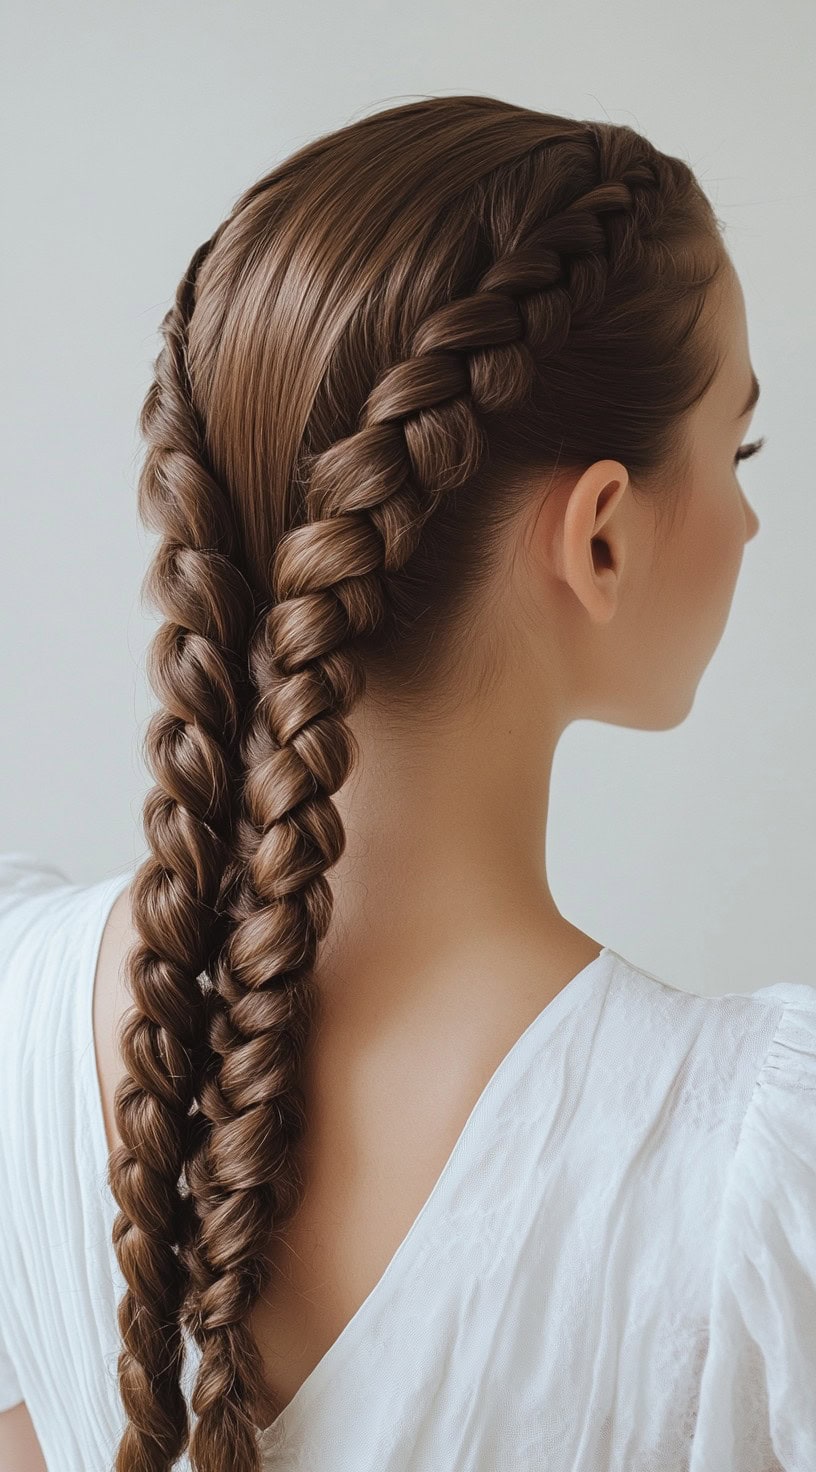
[[589, 545]]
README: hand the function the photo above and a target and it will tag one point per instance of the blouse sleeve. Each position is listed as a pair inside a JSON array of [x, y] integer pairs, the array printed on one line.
[[757, 1407], [23, 876], [10, 1392]]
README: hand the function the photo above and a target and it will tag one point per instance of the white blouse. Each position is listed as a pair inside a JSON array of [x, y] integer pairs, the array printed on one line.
[[615, 1271]]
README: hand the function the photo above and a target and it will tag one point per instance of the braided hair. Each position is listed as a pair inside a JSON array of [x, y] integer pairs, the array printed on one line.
[[366, 373]]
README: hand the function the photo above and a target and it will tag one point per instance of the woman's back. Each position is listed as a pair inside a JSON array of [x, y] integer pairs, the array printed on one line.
[[615, 1266], [374, 1145]]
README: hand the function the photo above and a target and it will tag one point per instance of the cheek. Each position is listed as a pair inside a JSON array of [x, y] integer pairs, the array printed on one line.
[[710, 558], [678, 619]]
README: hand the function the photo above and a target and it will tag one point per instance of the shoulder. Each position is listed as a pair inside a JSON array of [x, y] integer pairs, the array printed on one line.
[[31, 895], [25, 882], [734, 1040], [37, 898], [766, 1004], [739, 1068], [48, 926], [762, 1333], [768, 1001], [53, 1189], [32, 898], [719, 1076], [777, 1147], [790, 1063]]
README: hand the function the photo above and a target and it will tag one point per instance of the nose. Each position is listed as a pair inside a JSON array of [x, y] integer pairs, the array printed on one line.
[[751, 520]]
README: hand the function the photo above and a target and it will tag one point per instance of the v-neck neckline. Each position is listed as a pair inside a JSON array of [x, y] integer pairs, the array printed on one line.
[[509, 1066]]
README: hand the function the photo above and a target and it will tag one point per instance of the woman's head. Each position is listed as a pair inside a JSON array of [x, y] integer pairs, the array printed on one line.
[[442, 405], [625, 608], [430, 316]]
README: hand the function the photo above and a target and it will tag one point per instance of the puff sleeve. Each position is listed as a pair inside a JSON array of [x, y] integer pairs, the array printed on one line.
[[10, 1392], [23, 876], [757, 1408]]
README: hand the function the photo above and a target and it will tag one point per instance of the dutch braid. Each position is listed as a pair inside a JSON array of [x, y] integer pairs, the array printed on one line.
[[190, 748], [367, 499]]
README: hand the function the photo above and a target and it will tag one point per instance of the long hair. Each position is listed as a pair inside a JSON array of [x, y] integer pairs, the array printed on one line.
[[366, 373]]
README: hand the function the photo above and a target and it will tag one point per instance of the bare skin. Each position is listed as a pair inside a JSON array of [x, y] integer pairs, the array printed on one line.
[[446, 820]]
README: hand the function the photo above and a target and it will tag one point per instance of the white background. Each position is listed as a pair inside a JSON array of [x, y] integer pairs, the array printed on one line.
[[129, 130]]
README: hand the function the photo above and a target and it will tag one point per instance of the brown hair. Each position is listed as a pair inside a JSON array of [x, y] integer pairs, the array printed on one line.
[[365, 373]]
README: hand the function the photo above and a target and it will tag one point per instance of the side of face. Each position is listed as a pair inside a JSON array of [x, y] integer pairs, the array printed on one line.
[[688, 600], [652, 603]]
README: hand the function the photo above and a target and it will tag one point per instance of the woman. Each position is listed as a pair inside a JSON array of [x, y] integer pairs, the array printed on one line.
[[405, 1170]]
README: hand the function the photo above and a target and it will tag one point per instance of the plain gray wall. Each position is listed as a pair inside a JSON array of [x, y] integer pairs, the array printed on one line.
[[129, 131]]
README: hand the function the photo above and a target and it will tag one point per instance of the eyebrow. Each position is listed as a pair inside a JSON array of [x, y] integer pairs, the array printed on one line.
[[752, 397]]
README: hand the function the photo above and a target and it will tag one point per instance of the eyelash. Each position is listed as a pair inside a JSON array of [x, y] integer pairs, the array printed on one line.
[[745, 451]]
